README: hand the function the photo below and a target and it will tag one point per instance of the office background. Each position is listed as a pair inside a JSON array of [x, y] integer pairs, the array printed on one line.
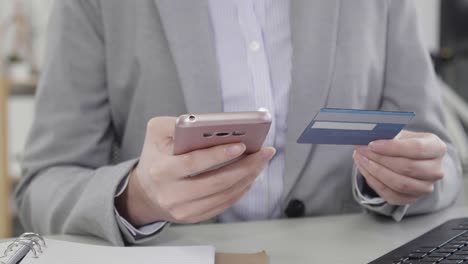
[[22, 72]]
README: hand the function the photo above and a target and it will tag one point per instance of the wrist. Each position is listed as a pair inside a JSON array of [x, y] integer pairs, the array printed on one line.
[[133, 204]]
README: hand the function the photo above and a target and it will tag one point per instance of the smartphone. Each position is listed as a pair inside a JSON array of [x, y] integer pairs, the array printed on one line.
[[199, 131]]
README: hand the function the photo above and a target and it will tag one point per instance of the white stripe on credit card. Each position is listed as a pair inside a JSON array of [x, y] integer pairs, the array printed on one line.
[[343, 126]]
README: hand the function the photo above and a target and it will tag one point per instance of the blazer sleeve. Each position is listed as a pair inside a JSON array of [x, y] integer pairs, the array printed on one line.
[[411, 85], [68, 183]]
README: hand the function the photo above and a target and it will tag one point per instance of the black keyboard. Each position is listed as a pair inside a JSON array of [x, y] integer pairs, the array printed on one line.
[[445, 244]]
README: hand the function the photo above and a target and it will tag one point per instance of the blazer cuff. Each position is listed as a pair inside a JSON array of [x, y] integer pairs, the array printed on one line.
[[365, 196], [131, 234]]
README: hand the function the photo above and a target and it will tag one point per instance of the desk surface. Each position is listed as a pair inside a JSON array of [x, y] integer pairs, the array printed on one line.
[[335, 239]]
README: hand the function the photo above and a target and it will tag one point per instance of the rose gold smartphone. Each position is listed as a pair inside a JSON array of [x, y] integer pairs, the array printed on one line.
[[198, 131]]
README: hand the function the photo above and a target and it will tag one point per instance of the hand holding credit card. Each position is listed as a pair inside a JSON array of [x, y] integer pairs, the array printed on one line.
[[353, 127], [399, 169]]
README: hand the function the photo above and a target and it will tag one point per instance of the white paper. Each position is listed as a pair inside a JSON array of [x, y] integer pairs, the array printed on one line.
[[75, 253]]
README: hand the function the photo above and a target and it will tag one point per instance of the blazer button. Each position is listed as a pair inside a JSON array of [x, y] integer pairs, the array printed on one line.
[[295, 209]]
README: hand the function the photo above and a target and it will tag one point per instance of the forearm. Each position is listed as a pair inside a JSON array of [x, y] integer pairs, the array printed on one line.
[[72, 200]]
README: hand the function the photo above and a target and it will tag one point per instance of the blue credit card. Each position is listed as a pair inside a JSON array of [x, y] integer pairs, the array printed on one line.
[[353, 127]]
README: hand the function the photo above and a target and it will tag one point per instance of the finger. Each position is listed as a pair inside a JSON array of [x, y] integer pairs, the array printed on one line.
[[220, 209], [384, 191], [424, 147], [195, 209], [160, 129], [217, 181], [394, 181], [223, 207], [197, 161], [425, 170]]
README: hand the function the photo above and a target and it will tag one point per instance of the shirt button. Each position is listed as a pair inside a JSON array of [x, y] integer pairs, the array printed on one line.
[[254, 46]]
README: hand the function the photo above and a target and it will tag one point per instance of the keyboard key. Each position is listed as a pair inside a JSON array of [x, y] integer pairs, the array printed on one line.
[[451, 247], [431, 260], [461, 227], [457, 257], [440, 255], [446, 261], [400, 260], [425, 250], [417, 255], [446, 250], [456, 245]]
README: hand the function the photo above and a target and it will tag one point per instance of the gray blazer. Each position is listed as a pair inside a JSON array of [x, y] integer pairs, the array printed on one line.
[[112, 65]]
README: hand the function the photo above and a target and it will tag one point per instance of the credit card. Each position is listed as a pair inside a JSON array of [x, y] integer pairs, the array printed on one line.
[[353, 127]]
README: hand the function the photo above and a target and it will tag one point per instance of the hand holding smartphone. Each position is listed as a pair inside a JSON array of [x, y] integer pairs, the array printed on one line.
[[160, 187], [199, 131]]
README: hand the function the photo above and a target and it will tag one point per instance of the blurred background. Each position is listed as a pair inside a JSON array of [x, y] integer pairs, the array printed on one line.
[[23, 26]]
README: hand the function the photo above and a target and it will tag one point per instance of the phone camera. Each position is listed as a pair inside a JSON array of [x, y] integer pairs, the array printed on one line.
[[192, 118]]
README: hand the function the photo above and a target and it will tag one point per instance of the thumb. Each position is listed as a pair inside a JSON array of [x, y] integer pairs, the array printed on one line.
[[406, 134], [160, 130]]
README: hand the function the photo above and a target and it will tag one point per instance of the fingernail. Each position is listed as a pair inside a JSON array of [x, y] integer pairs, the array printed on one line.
[[268, 153], [235, 150], [362, 159]]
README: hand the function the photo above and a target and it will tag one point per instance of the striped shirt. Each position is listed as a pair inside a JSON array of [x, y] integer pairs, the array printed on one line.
[[254, 52]]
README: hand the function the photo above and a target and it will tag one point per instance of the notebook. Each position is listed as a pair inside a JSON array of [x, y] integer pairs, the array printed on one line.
[[55, 251]]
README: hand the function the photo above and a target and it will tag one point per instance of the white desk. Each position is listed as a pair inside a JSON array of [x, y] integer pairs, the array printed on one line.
[[337, 239]]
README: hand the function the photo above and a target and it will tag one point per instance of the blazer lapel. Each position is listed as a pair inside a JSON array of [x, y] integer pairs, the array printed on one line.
[[314, 26], [190, 35]]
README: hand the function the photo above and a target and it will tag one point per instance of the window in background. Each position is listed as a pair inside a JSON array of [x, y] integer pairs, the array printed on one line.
[[453, 61]]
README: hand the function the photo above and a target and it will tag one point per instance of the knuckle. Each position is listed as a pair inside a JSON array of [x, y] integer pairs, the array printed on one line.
[[408, 168], [429, 188], [152, 124], [227, 195], [377, 158], [180, 215], [443, 147], [439, 175], [189, 163], [419, 146], [375, 169], [381, 189], [156, 174], [218, 183], [402, 187]]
